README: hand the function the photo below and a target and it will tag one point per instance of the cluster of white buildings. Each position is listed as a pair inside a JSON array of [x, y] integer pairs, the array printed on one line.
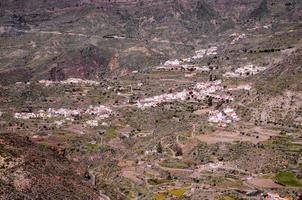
[[206, 167], [199, 92], [226, 116], [99, 112], [198, 55], [205, 52], [50, 113], [70, 81], [175, 62], [210, 166], [244, 71], [92, 123], [247, 87], [209, 87], [237, 37], [184, 67], [267, 26], [59, 123], [156, 100], [272, 196], [27, 115], [221, 97]]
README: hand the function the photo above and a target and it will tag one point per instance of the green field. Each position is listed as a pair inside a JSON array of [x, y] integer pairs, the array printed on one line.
[[288, 179]]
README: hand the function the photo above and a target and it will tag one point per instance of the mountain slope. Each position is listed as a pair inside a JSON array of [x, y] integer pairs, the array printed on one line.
[[31, 171], [40, 38]]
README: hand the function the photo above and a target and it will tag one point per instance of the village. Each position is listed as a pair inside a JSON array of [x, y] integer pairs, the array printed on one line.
[[174, 163], [150, 100], [195, 126]]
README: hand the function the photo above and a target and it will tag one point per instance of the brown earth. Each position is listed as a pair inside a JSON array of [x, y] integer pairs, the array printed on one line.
[[31, 171]]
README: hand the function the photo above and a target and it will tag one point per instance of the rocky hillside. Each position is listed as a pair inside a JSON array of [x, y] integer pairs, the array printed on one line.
[[98, 38], [31, 171]]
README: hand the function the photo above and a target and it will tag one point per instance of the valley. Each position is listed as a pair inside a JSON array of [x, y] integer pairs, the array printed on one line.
[[184, 100]]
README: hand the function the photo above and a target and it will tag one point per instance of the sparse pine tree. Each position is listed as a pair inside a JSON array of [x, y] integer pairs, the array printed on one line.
[[159, 148], [210, 101]]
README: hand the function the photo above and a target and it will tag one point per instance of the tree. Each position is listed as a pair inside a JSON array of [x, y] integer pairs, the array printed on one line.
[[159, 148], [178, 151], [210, 101]]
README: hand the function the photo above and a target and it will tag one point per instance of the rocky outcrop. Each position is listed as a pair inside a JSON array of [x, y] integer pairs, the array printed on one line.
[[31, 171]]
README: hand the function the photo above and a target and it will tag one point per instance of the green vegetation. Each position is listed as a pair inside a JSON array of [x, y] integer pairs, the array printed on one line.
[[160, 196], [183, 137], [44, 145], [243, 112], [178, 192], [158, 181], [282, 142], [92, 148], [174, 164], [225, 198], [278, 85], [288, 179], [106, 169], [8, 117], [111, 133], [78, 41]]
